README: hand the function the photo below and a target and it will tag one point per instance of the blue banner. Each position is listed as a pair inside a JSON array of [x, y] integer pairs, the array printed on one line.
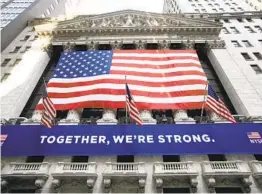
[[100, 140]]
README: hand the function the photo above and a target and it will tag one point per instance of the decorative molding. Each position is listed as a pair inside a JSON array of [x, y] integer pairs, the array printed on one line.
[[140, 44], [164, 44], [92, 45], [116, 45], [188, 44], [68, 47], [55, 185], [107, 185], [39, 183], [215, 44]]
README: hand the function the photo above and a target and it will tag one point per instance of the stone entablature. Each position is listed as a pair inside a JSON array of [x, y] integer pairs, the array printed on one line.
[[127, 22]]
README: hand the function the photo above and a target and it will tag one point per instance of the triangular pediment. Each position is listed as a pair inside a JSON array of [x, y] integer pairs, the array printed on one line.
[[134, 19], [125, 20]]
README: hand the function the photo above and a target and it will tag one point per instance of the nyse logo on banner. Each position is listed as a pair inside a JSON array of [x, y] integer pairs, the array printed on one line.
[[3, 138], [254, 137]]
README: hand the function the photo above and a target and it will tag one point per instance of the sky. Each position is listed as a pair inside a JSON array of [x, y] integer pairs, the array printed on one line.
[[103, 6]]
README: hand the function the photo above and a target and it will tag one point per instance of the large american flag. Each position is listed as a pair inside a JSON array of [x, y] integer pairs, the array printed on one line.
[[159, 79], [131, 107], [215, 104], [48, 112]]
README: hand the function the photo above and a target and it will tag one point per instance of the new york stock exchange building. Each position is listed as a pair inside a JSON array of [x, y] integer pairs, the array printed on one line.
[[96, 149]]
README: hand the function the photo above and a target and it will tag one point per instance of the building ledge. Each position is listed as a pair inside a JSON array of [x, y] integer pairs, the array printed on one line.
[[74, 172], [27, 172], [223, 173], [124, 171], [178, 173]]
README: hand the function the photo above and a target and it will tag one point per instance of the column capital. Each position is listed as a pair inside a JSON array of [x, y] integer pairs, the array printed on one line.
[[188, 44], [116, 45], [73, 117], [164, 44], [215, 44], [108, 118], [215, 118], [181, 117], [92, 45], [140, 44], [146, 117], [48, 48], [67, 47]]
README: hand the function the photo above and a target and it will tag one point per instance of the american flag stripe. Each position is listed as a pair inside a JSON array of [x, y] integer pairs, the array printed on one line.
[[254, 135], [214, 103], [50, 107], [157, 78], [133, 112]]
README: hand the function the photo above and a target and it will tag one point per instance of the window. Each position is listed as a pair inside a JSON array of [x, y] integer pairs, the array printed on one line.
[[258, 56], [17, 48], [240, 9], [171, 158], [249, 29], [35, 37], [204, 10], [226, 20], [249, 19], [80, 159], [5, 76], [216, 157], [34, 159], [240, 20], [6, 61], [225, 30], [233, 9], [17, 61], [234, 30], [246, 56], [260, 41], [26, 38], [125, 159], [259, 28], [27, 48], [235, 43], [215, 10], [247, 43], [258, 157], [257, 69]]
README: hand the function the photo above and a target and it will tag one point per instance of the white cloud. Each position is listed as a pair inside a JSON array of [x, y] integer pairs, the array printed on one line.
[[103, 6]]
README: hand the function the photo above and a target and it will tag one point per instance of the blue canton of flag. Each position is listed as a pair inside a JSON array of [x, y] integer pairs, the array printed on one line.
[[84, 64]]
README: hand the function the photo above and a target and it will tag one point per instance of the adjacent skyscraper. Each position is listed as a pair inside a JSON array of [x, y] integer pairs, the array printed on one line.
[[207, 6]]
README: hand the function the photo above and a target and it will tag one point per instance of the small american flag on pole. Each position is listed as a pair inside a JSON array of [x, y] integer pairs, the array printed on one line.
[[48, 112], [131, 107], [215, 104]]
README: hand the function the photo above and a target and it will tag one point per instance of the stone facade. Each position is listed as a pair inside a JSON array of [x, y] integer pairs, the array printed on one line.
[[104, 174]]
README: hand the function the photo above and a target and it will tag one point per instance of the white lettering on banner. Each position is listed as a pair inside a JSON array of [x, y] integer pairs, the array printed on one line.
[[185, 139], [74, 139], [126, 139]]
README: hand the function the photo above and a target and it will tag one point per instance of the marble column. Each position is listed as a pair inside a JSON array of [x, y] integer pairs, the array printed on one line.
[[145, 115], [116, 45], [181, 116], [73, 116]]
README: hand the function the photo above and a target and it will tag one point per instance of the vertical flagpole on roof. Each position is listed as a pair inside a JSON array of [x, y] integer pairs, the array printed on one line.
[[203, 105], [126, 99]]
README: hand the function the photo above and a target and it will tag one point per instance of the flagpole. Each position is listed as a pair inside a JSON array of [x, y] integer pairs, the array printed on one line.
[[203, 105], [126, 99]]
